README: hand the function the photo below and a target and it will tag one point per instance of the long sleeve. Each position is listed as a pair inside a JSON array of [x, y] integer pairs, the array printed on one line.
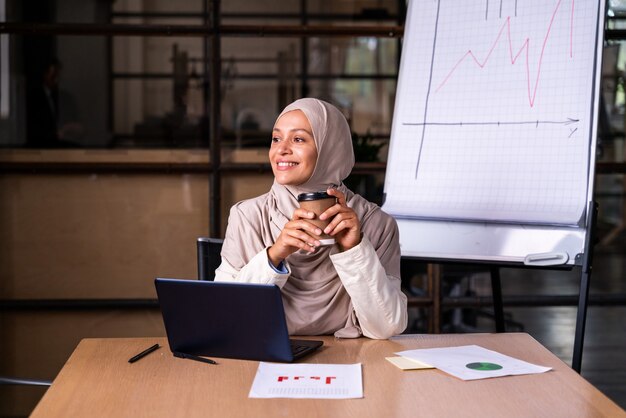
[[258, 270], [379, 303], [322, 292], [244, 253]]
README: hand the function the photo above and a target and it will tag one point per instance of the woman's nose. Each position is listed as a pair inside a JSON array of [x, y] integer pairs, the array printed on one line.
[[284, 147]]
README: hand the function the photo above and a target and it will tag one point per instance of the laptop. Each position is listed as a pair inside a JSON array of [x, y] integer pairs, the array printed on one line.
[[230, 320]]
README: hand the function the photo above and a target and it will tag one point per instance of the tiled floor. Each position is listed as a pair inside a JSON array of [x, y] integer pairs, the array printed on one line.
[[604, 362]]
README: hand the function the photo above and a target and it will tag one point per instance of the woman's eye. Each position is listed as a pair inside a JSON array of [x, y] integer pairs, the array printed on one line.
[[298, 139], [275, 139]]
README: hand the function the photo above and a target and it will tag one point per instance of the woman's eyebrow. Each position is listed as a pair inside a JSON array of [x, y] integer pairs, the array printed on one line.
[[294, 130]]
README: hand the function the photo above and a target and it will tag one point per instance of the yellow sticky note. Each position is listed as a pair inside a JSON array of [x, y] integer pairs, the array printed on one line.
[[407, 363]]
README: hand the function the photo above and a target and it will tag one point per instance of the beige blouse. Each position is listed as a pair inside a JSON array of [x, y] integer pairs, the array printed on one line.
[[379, 304]]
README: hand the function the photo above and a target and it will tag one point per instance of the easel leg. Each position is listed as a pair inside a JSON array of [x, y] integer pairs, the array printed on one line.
[[581, 319], [496, 292], [583, 295]]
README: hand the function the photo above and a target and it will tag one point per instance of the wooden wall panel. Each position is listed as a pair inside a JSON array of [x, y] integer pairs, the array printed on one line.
[[98, 236]]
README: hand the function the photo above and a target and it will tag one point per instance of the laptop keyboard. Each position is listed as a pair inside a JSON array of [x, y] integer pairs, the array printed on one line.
[[297, 348]]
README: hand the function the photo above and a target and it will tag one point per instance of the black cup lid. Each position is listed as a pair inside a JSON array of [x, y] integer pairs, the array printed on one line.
[[303, 197]]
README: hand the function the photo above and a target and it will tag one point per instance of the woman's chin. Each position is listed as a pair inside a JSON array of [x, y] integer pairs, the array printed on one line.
[[283, 181]]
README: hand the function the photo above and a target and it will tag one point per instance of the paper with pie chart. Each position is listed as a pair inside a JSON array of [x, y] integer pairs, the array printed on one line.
[[472, 362]]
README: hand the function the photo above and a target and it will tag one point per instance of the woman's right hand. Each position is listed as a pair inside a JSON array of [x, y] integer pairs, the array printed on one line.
[[298, 234]]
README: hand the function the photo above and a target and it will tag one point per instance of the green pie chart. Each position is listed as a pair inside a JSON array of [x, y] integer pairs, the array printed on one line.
[[483, 366]]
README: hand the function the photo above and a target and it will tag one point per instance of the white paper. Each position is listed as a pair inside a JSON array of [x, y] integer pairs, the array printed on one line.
[[313, 381], [471, 362]]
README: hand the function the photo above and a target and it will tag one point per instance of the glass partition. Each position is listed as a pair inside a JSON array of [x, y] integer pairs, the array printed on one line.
[[152, 91]]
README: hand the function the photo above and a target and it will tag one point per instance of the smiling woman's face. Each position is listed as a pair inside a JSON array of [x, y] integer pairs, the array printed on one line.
[[293, 153]]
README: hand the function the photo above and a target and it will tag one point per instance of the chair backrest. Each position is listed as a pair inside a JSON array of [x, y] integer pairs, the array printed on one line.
[[209, 258]]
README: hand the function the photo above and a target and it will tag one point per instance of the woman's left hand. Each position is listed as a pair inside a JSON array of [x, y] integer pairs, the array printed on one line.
[[345, 225]]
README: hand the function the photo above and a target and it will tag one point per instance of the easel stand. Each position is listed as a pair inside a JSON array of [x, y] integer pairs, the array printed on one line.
[[583, 260], [583, 295]]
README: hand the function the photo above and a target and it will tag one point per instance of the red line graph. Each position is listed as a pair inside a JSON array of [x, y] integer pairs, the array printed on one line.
[[513, 58]]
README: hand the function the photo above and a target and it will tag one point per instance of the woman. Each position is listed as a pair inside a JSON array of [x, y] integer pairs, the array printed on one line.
[[351, 288]]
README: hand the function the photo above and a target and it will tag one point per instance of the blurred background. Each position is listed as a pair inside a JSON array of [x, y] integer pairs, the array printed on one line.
[[129, 127]]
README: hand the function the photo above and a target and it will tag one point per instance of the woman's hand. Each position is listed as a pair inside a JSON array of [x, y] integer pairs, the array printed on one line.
[[345, 225], [298, 234]]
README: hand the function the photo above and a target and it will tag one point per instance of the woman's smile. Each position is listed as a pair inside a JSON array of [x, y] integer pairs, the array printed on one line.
[[286, 165]]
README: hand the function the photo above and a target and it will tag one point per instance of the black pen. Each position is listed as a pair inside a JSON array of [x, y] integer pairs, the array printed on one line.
[[192, 357], [144, 353]]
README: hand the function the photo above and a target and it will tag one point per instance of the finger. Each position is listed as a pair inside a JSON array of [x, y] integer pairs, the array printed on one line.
[[343, 227], [300, 239], [304, 225], [340, 222], [285, 246], [341, 198], [300, 213], [332, 211], [309, 237], [337, 209]]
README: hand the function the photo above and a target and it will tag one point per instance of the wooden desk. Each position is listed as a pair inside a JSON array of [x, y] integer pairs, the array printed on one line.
[[97, 380]]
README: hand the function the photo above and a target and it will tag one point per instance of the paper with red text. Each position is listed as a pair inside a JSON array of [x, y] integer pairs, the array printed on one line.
[[312, 381]]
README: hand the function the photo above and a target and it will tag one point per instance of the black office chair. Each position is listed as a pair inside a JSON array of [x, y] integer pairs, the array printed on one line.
[[209, 257]]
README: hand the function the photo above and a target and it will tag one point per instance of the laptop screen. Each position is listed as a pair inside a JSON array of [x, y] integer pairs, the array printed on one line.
[[231, 320]]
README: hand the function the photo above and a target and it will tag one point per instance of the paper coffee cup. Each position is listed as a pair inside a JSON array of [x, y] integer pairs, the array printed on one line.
[[318, 202]]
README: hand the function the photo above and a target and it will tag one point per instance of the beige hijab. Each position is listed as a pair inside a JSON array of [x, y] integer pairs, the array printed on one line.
[[315, 301]]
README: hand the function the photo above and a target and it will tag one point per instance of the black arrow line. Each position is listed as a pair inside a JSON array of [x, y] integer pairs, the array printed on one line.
[[569, 121]]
